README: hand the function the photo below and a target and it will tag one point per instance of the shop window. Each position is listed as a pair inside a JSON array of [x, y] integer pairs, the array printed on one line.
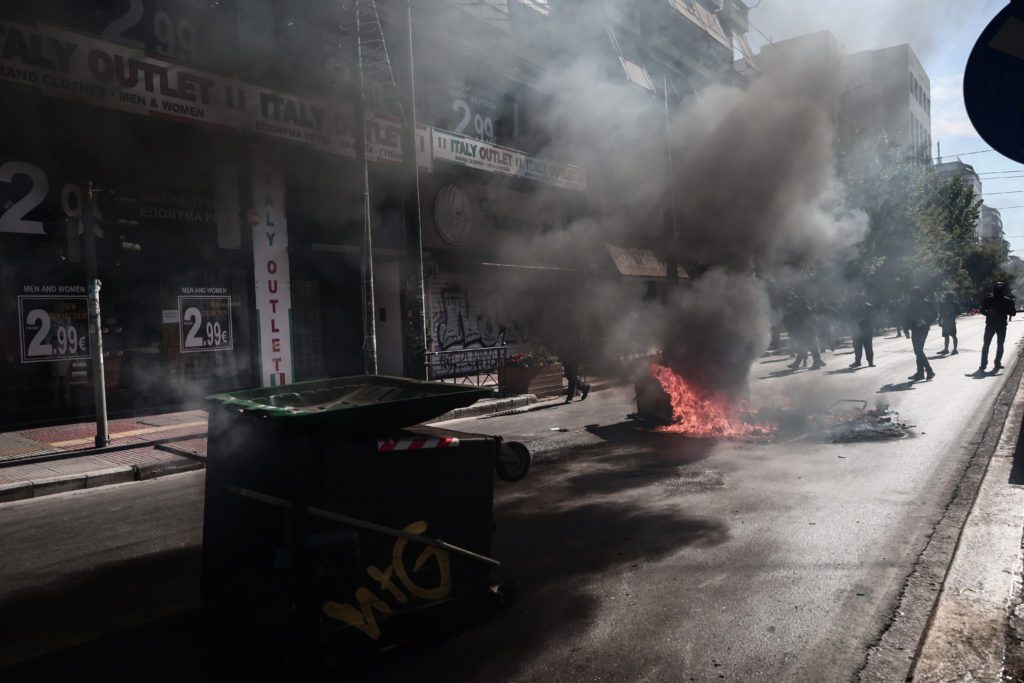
[[307, 331]]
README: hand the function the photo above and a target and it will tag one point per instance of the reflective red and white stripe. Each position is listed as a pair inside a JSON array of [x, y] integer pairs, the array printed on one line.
[[420, 444]]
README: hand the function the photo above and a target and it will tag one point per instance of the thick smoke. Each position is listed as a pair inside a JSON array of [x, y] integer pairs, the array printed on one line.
[[756, 200]]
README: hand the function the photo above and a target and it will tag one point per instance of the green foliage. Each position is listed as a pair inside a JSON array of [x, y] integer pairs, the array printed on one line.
[[922, 227]]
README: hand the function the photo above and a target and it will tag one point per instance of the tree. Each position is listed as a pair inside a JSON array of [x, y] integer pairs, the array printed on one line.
[[922, 228]]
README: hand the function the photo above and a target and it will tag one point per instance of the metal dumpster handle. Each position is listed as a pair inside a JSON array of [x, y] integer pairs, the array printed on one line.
[[361, 524]]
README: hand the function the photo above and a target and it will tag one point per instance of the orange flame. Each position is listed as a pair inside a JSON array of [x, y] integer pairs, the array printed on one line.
[[700, 413]]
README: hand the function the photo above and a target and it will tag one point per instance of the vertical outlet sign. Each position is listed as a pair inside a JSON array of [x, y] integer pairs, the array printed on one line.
[[272, 277]]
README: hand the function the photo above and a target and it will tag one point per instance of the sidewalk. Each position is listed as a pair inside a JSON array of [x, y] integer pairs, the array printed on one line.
[[974, 630], [47, 460], [29, 464]]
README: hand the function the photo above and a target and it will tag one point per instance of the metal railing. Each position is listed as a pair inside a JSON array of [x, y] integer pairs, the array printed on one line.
[[477, 367]]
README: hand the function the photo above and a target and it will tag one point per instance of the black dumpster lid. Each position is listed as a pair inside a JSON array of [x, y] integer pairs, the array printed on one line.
[[363, 402]]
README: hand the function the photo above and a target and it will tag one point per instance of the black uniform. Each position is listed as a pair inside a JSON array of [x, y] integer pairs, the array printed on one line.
[[920, 315], [947, 321], [863, 332], [997, 309], [799, 322]]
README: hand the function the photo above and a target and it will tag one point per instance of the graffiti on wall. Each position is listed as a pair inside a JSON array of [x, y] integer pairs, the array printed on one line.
[[461, 320], [395, 586]]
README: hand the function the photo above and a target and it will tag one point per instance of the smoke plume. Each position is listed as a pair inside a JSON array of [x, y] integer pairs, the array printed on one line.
[[756, 198]]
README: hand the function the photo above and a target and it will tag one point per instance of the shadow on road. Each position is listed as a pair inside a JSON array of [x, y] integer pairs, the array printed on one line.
[[902, 386], [978, 374], [556, 533], [555, 542], [1017, 471], [844, 371]]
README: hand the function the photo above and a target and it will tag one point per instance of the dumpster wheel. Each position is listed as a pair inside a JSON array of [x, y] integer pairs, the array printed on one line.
[[513, 461]]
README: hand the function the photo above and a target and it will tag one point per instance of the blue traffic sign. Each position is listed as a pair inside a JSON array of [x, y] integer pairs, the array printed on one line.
[[994, 83]]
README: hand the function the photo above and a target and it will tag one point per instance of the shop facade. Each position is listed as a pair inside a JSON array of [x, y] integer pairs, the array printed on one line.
[[228, 230]]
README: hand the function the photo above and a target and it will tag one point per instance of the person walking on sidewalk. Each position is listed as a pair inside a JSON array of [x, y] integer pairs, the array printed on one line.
[[863, 315], [920, 315], [571, 370], [997, 308], [948, 310]]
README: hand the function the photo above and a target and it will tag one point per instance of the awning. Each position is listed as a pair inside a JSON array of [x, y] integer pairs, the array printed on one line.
[[703, 18], [635, 71], [640, 263], [743, 45]]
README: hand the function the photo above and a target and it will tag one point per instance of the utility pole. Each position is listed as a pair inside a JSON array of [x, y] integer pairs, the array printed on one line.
[[671, 231], [414, 320], [92, 284], [359, 116]]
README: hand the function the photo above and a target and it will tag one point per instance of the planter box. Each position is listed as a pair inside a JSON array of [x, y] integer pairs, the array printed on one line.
[[539, 381]]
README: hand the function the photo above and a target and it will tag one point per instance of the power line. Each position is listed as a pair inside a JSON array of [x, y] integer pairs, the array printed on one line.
[[963, 154], [989, 194]]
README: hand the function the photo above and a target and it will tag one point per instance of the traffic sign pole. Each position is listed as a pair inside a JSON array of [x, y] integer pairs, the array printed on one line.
[[92, 285]]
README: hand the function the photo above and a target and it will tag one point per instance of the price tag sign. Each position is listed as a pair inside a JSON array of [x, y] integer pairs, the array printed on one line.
[[53, 328], [204, 323]]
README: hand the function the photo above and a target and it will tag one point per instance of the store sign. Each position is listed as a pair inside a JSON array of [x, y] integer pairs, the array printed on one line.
[[384, 141], [271, 271], [54, 325], [475, 110], [204, 320], [75, 66], [177, 207], [473, 153], [69, 65]]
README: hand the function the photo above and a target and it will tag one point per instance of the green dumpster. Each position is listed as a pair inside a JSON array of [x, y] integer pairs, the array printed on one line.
[[334, 527]]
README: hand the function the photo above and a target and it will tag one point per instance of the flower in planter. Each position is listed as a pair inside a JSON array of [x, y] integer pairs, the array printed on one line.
[[538, 358]]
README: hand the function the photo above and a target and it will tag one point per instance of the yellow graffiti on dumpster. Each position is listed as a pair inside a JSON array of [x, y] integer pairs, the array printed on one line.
[[370, 604]]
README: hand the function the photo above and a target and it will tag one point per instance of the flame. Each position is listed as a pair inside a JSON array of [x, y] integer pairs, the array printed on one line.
[[700, 413]]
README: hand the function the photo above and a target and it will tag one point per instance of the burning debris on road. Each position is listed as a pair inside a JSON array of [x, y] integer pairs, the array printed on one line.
[[861, 424], [697, 412], [681, 407]]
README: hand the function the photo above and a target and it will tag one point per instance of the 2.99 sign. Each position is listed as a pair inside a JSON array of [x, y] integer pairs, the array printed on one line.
[[205, 323], [53, 328]]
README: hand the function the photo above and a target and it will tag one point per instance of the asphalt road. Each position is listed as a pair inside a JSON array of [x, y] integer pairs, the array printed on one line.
[[639, 556]]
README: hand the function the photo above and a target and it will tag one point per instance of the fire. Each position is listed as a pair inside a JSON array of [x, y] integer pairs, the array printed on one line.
[[700, 413]]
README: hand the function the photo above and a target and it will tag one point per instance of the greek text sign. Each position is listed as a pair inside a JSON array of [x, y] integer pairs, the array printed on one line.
[[53, 328], [484, 156], [66, 64], [71, 65]]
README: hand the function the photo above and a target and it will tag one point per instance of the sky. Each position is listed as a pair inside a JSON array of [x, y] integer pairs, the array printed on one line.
[[942, 34]]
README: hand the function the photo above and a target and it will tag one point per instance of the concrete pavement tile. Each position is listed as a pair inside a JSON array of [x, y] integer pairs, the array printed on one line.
[[172, 418], [13, 444]]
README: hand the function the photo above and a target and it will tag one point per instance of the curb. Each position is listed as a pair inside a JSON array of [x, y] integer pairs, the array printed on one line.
[[495, 406], [162, 469], [48, 486], [967, 633]]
